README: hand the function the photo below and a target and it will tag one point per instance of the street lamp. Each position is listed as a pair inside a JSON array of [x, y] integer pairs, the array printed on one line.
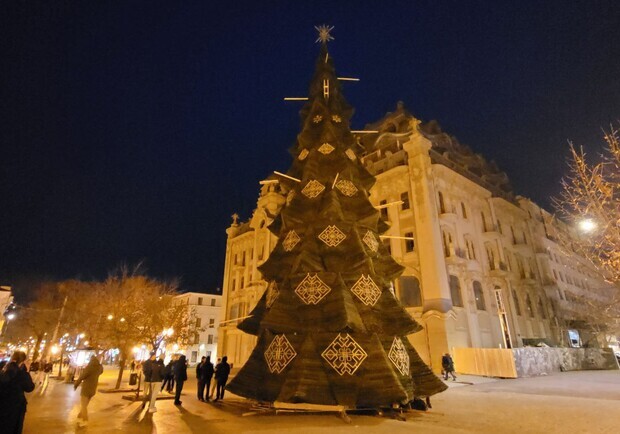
[[587, 225], [10, 316]]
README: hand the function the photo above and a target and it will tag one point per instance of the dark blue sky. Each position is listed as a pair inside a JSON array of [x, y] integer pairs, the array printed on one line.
[[133, 130]]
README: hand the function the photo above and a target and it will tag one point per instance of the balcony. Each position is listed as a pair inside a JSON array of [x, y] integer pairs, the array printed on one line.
[[457, 256], [490, 231], [498, 269]]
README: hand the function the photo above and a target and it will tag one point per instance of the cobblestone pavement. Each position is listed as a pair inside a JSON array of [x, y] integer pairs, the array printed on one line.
[[574, 402]]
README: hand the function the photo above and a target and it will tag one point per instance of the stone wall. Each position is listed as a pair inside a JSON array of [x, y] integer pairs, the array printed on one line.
[[533, 361]]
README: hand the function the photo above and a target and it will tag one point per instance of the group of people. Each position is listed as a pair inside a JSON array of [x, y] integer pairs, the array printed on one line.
[[205, 373], [158, 376]]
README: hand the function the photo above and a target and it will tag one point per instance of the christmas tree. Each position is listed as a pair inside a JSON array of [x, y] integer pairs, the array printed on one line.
[[330, 330]]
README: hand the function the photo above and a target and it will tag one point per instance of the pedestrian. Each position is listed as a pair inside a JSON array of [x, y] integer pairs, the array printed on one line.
[[206, 374], [35, 372], [214, 387], [448, 367], [222, 370], [14, 381], [168, 376], [153, 375], [132, 367], [180, 376], [200, 379], [89, 377]]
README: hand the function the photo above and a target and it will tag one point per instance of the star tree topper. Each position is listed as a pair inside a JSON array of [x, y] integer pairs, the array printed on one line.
[[324, 35]]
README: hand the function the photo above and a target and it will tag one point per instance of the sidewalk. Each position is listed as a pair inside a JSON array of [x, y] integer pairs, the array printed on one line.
[[574, 402]]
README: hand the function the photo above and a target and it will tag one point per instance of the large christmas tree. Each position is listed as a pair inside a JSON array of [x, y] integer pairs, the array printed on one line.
[[329, 329]]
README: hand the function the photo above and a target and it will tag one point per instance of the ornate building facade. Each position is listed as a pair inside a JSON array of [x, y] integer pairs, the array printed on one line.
[[483, 267]]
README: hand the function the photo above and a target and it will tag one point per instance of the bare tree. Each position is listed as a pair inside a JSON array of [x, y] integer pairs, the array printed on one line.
[[590, 201]]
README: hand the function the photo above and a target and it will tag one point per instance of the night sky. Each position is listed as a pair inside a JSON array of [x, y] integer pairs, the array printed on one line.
[[133, 130]]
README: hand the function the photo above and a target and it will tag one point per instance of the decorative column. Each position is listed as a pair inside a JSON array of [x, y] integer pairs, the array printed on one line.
[[433, 272]]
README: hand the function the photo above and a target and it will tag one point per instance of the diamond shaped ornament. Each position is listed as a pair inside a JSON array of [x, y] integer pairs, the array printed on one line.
[[279, 354], [312, 289], [326, 148], [344, 355], [290, 241], [349, 153], [371, 241], [303, 154], [313, 189], [332, 236], [272, 294], [366, 290], [346, 187], [399, 357]]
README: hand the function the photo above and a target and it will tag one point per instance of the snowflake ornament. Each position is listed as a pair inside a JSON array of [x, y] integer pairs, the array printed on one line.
[[337, 119], [317, 119], [324, 35]]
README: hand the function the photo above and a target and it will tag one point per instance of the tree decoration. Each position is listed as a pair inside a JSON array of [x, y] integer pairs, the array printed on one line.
[[279, 354], [290, 241], [272, 294], [326, 148], [313, 189], [332, 236], [346, 187], [371, 241], [303, 154], [311, 290], [366, 290], [344, 355], [398, 355], [335, 310]]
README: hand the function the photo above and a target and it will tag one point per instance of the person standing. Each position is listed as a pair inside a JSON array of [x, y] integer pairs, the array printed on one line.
[[169, 376], [448, 366], [214, 387], [180, 376], [153, 374], [200, 378], [222, 370], [14, 381], [88, 379]]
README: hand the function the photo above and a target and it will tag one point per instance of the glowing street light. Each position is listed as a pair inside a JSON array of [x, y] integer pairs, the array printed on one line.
[[55, 349], [587, 225], [110, 317], [169, 332], [10, 316], [122, 319]]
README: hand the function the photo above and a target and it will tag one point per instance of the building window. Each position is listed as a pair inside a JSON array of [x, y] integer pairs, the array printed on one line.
[[211, 323], [409, 244], [455, 291], [516, 301], [252, 253], [463, 210], [388, 246], [241, 283], [447, 244], [499, 227], [528, 306], [484, 221], [234, 284], [442, 204], [384, 210], [194, 357], [199, 301], [198, 322], [209, 339], [541, 309], [404, 197], [410, 293], [213, 302], [479, 296]]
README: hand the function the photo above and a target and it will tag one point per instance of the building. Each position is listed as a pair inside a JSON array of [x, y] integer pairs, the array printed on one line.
[[483, 268], [207, 309], [6, 298]]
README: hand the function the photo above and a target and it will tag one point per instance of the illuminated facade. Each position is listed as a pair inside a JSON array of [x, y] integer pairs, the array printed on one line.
[[482, 267]]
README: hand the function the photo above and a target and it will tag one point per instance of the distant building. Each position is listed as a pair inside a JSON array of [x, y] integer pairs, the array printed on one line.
[[482, 266], [207, 309], [6, 298]]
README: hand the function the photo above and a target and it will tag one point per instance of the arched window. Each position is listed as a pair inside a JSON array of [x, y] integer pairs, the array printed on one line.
[[410, 294], [442, 204], [528, 305], [515, 298], [463, 210], [479, 296], [484, 222], [455, 291], [541, 309]]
